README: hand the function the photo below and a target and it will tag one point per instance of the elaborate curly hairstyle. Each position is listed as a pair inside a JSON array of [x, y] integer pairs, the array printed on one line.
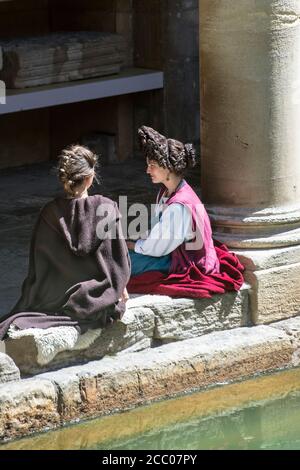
[[75, 164], [168, 153]]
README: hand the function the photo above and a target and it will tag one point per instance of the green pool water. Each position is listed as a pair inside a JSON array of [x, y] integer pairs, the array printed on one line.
[[262, 413]]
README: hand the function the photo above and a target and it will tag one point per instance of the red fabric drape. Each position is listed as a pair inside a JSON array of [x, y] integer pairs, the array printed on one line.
[[193, 283]]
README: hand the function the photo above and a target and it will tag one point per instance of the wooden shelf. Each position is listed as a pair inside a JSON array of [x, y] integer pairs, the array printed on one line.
[[129, 81]]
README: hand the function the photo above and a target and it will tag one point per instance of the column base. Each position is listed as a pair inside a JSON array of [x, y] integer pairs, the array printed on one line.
[[243, 228]]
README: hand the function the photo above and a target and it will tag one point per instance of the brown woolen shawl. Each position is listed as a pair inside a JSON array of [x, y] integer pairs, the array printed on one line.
[[74, 277]]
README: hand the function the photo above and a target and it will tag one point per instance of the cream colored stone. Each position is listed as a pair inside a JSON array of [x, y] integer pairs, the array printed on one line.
[[253, 228], [148, 318], [179, 319], [292, 328], [255, 260], [275, 293], [35, 350], [27, 406], [274, 277], [8, 369], [122, 382]]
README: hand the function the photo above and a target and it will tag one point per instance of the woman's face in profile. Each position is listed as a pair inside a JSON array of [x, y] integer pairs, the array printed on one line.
[[157, 173]]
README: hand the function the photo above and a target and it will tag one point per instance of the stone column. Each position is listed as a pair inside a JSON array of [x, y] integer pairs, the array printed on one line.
[[250, 132]]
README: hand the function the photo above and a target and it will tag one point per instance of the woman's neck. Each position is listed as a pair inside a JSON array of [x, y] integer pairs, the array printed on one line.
[[172, 185], [83, 195]]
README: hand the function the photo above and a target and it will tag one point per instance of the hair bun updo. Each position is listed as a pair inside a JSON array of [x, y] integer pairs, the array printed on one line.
[[168, 153], [74, 165], [190, 155], [154, 146], [182, 156]]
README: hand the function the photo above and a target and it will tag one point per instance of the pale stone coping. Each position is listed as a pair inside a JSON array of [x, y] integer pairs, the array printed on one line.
[[242, 241], [266, 259], [33, 406], [213, 401], [292, 328], [52, 341], [275, 295], [8, 369], [127, 380], [147, 318]]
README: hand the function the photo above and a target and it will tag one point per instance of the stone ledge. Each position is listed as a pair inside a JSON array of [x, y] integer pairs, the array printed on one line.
[[275, 293], [148, 319], [292, 328], [8, 369], [27, 406], [132, 379], [127, 380]]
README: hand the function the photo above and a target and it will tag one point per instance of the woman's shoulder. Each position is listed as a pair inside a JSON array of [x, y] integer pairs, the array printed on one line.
[[185, 195], [98, 198], [61, 203]]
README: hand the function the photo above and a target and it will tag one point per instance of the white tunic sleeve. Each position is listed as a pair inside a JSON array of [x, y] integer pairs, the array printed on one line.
[[174, 227]]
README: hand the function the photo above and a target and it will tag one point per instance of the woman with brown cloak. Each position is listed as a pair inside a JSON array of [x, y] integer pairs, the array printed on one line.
[[78, 264]]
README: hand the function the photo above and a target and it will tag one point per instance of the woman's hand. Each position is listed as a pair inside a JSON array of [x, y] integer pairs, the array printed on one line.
[[130, 245]]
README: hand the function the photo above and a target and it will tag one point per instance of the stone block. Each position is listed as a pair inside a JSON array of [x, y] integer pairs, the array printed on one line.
[[8, 369], [150, 320], [180, 319], [275, 293], [257, 260], [35, 350], [91, 389], [60, 57], [116, 383], [27, 406], [292, 328]]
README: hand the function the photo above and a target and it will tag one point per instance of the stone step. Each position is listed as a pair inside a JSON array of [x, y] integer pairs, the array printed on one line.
[[128, 380], [8, 369], [150, 320]]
